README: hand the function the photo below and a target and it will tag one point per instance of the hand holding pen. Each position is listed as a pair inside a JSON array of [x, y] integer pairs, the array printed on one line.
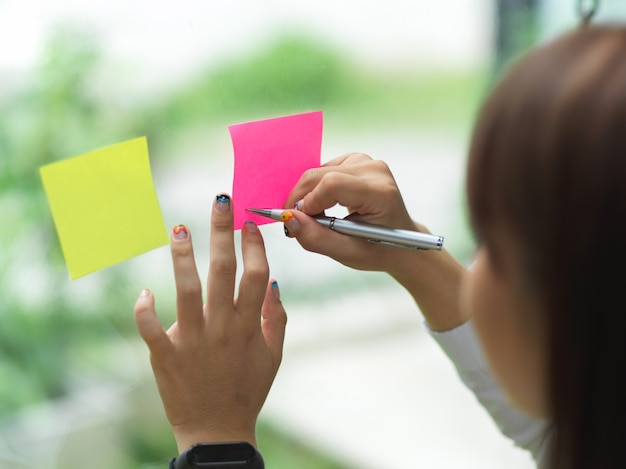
[[368, 190], [409, 239]]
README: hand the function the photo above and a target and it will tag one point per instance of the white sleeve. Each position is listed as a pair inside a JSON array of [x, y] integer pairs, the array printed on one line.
[[462, 347]]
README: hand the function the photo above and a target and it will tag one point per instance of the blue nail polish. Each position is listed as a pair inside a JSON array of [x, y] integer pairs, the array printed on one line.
[[275, 290], [222, 203]]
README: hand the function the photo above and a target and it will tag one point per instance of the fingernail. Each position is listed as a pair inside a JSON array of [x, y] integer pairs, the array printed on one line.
[[275, 290], [180, 232], [297, 205], [222, 203], [286, 230], [144, 292], [290, 223], [250, 226]]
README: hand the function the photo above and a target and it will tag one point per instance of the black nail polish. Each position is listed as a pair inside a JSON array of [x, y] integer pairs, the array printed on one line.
[[286, 231]]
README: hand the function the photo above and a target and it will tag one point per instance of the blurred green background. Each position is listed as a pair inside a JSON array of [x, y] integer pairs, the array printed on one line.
[[65, 346], [46, 338]]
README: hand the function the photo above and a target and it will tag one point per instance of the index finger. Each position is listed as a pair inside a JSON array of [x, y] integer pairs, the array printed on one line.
[[310, 179]]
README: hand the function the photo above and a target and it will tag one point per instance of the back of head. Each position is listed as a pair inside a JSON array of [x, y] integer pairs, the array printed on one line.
[[548, 162]]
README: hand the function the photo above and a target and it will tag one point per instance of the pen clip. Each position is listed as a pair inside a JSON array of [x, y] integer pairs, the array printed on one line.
[[389, 243]]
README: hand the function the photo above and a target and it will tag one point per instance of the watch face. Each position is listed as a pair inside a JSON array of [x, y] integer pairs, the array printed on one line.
[[222, 452]]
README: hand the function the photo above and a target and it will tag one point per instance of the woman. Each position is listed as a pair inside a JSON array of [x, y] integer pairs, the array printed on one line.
[[546, 186]]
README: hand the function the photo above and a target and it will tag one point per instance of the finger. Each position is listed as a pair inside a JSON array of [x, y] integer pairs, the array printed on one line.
[[347, 190], [311, 178], [274, 321], [188, 286], [150, 327], [347, 159], [255, 273], [315, 237], [222, 262]]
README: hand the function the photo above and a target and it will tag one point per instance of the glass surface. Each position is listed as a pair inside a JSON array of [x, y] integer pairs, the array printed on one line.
[[400, 80]]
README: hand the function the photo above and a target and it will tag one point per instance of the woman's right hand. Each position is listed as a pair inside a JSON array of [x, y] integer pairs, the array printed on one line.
[[368, 190]]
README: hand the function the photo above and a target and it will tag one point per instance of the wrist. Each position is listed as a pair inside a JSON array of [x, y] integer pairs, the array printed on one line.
[[434, 279]]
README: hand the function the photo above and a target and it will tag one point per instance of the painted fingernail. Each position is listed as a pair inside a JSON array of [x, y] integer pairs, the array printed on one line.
[[222, 203], [180, 232], [145, 292], [297, 205], [276, 290], [290, 223], [250, 226], [286, 230]]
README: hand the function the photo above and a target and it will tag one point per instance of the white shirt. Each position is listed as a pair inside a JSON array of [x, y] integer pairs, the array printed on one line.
[[462, 347]]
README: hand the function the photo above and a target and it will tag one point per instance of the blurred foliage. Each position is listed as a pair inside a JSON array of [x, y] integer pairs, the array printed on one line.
[[64, 108], [295, 74], [292, 74], [283, 451], [54, 114]]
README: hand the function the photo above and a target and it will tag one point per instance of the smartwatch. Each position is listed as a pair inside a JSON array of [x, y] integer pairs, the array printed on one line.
[[230, 455]]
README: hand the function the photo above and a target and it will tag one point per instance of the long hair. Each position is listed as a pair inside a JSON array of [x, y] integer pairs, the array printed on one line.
[[548, 163]]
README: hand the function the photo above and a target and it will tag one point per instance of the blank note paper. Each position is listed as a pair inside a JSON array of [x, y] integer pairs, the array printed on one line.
[[104, 206], [270, 157]]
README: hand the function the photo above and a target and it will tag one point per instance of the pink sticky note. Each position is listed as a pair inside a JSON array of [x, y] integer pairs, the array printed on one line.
[[270, 157]]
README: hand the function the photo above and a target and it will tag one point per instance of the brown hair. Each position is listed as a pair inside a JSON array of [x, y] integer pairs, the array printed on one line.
[[548, 163]]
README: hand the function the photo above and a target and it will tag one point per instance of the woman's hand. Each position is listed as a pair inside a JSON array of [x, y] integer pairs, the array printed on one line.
[[215, 365], [368, 190]]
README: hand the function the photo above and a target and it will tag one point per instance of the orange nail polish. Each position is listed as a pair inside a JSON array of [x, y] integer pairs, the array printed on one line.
[[180, 232], [286, 216]]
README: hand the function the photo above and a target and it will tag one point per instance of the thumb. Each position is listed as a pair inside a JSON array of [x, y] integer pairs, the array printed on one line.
[[315, 237], [150, 327]]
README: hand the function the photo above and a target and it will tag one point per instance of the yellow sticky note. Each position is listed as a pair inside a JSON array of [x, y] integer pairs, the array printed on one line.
[[104, 206]]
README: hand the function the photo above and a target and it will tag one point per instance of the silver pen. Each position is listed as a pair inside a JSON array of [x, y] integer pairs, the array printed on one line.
[[373, 233]]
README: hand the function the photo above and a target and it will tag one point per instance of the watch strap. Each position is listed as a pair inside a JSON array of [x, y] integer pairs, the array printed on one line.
[[227, 455]]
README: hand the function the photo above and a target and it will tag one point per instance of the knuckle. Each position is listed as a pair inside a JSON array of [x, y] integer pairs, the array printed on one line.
[[222, 267], [258, 272], [357, 157], [189, 289], [309, 177], [331, 181], [222, 223], [282, 318], [380, 165]]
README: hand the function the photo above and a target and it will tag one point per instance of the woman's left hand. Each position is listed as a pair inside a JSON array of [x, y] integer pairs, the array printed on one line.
[[215, 365]]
